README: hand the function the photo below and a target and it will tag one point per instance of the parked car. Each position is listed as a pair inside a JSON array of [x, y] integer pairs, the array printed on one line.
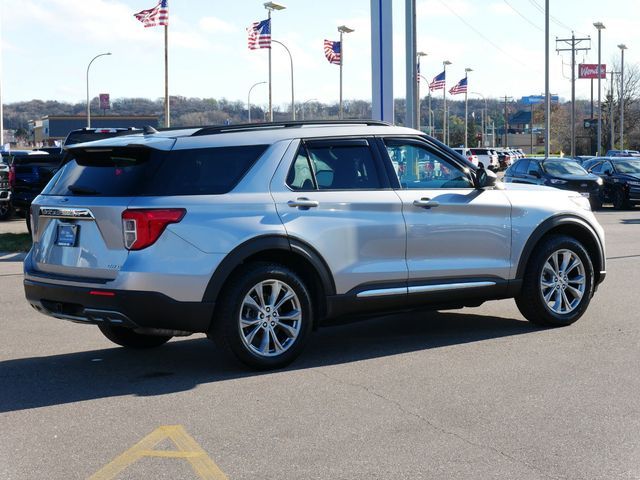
[[466, 152], [257, 234], [82, 135], [622, 153], [505, 158], [621, 177], [487, 158], [558, 173], [5, 191], [29, 173]]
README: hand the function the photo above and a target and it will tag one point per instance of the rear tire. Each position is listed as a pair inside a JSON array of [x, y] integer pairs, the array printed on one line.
[[126, 337], [558, 283], [264, 316], [28, 222]]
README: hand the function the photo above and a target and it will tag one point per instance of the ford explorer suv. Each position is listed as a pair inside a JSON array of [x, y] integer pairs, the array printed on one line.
[[255, 235]]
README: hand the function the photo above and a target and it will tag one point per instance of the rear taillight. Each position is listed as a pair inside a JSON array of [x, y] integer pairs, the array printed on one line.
[[12, 176], [142, 227]]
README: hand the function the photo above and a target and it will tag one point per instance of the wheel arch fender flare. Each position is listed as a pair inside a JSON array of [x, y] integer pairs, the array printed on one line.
[[268, 243], [567, 224]]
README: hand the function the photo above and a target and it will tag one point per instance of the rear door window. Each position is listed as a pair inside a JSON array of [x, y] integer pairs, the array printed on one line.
[[132, 171], [334, 165]]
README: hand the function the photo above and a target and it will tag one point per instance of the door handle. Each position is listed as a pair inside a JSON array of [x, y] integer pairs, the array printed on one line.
[[303, 203], [426, 203]]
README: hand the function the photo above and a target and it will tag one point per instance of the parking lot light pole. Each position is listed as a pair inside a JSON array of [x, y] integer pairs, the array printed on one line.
[[271, 6], [485, 119], [622, 48], [342, 29], [249, 98], [444, 102], [293, 102], [89, 103], [600, 26]]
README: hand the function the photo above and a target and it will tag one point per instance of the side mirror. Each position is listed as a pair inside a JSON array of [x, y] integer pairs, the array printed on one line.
[[608, 173], [485, 178]]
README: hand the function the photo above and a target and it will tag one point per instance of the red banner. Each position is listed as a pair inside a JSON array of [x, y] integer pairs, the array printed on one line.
[[590, 70]]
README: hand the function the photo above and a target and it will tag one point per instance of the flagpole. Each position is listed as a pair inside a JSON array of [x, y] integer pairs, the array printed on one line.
[[270, 98], [444, 101], [167, 117], [341, 58], [466, 105]]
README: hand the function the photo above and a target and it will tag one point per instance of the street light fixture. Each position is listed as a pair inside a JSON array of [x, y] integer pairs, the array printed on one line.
[[88, 103], [342, 29], [293, 102], [249, 98], [622, 48], [271, 6], [444, 102], [419, 55], [600, 26]]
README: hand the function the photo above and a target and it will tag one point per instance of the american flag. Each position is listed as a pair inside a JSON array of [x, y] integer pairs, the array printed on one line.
[[156, 16], [333, 51], [260, 34], [460, 87], [438, 82]]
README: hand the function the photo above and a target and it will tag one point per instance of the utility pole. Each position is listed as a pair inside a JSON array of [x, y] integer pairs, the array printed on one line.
[[600, 26], [622, 48], [547, 95], [574, 43], [506, 121]]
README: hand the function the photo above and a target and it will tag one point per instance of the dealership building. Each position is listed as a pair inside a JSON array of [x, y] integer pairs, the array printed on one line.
[[51, 128]]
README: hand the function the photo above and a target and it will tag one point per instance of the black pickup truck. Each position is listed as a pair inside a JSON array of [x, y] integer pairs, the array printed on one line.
[[30, 172], [5, 193]]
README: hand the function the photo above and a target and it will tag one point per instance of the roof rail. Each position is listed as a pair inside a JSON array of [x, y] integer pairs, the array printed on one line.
[[211, 130]]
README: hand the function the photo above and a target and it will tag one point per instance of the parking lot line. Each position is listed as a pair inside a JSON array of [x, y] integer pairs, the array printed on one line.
[[188, 449]]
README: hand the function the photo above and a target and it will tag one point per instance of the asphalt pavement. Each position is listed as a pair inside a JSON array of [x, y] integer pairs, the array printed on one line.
[[467, 394]]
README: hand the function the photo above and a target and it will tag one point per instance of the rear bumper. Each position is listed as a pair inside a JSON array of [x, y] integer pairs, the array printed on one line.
[[133, 309]]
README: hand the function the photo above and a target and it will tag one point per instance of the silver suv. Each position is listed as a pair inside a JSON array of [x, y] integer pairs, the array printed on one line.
[[258, 234]]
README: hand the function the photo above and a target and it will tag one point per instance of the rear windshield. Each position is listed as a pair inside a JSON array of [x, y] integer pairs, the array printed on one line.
[[132, 171], [563, 168]]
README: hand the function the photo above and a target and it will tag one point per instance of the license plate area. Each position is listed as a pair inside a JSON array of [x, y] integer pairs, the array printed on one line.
[[67, 235]]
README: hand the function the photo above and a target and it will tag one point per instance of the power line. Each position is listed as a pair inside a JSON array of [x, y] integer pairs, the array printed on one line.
[[540, 8], [496, 46], [523, 17]]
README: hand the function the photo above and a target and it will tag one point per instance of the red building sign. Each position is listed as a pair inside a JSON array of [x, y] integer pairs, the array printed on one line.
[[590, 70]]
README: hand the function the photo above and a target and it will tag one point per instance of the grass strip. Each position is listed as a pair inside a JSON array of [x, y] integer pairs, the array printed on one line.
[[15, 242]]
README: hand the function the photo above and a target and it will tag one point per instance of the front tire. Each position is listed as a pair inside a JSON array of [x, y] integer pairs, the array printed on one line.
[[5, 211], [558, 283], [126, 337], [264, 316], [620, 200]]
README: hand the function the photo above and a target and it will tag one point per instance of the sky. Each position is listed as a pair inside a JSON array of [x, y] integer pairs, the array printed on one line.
[[47, 45]]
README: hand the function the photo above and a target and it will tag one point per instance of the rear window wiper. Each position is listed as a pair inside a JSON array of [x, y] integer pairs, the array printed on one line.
[[82, 190]]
